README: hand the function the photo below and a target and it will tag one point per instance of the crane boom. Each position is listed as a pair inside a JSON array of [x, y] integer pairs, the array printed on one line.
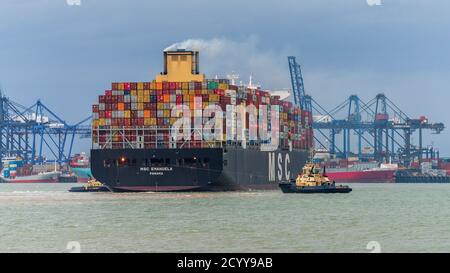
[[298, 87]]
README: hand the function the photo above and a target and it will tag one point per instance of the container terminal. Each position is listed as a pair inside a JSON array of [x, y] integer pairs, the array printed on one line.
[[130, 122]]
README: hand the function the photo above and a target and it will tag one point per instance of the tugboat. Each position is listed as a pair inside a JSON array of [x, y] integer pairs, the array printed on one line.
[[311, 180], [92, 186]]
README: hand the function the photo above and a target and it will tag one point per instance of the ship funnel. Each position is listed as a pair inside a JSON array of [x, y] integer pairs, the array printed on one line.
[[181, 66]]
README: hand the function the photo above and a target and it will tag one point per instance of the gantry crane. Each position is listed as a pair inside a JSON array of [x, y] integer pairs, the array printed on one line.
[[27, 132]]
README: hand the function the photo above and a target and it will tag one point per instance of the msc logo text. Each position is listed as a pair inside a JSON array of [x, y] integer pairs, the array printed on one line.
[[279, 167]]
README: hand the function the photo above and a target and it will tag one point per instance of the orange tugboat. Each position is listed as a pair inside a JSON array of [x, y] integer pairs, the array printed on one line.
[[311, 180]]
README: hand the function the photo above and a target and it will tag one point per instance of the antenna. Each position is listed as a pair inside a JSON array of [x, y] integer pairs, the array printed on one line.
[[250, 84], [233, 77]]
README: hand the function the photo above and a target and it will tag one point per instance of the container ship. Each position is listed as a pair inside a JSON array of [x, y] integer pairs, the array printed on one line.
[[363, 173], [232, 137], [428, 171], [80, 165], [15, 171]]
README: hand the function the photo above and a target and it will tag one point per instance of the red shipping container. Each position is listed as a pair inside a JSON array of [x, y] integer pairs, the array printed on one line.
[[95, 108], [147, 85], [133, 86], [108, 93], [108, 114], [127, 86], [120, 98], [101, 99]]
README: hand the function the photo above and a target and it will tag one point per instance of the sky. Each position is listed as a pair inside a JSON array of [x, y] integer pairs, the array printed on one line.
[[66, 55]]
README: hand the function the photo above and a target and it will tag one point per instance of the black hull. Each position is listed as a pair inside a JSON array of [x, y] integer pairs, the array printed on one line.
[[67, 179], [414, 176], [292, 188], [422, 179], [202, 169], [83, 189]]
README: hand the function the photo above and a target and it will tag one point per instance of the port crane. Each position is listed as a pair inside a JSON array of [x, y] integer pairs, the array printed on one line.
[[28, 132], [379, 123], [386, 129], [301, 99]]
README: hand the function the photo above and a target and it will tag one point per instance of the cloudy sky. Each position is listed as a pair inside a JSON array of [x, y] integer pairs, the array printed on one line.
[[66, 55]]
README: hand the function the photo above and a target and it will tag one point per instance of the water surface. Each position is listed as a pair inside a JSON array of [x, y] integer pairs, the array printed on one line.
[[401, 218]]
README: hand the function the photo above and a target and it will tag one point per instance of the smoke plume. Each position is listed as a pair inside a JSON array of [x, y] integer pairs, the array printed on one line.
[[222, 56]]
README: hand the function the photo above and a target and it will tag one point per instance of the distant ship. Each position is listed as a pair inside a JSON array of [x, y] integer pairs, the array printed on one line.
[[363, 173], [15, 171], [80, 165]]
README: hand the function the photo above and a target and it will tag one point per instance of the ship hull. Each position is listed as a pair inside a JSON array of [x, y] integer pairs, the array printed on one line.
[[202, 169], [51, 177], [83, 173], [376, 176]]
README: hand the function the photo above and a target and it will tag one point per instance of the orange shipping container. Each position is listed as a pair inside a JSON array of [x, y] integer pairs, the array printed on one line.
[[166, 98]]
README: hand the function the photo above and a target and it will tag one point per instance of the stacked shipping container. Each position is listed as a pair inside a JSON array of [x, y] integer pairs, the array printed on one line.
[[123, 114]]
